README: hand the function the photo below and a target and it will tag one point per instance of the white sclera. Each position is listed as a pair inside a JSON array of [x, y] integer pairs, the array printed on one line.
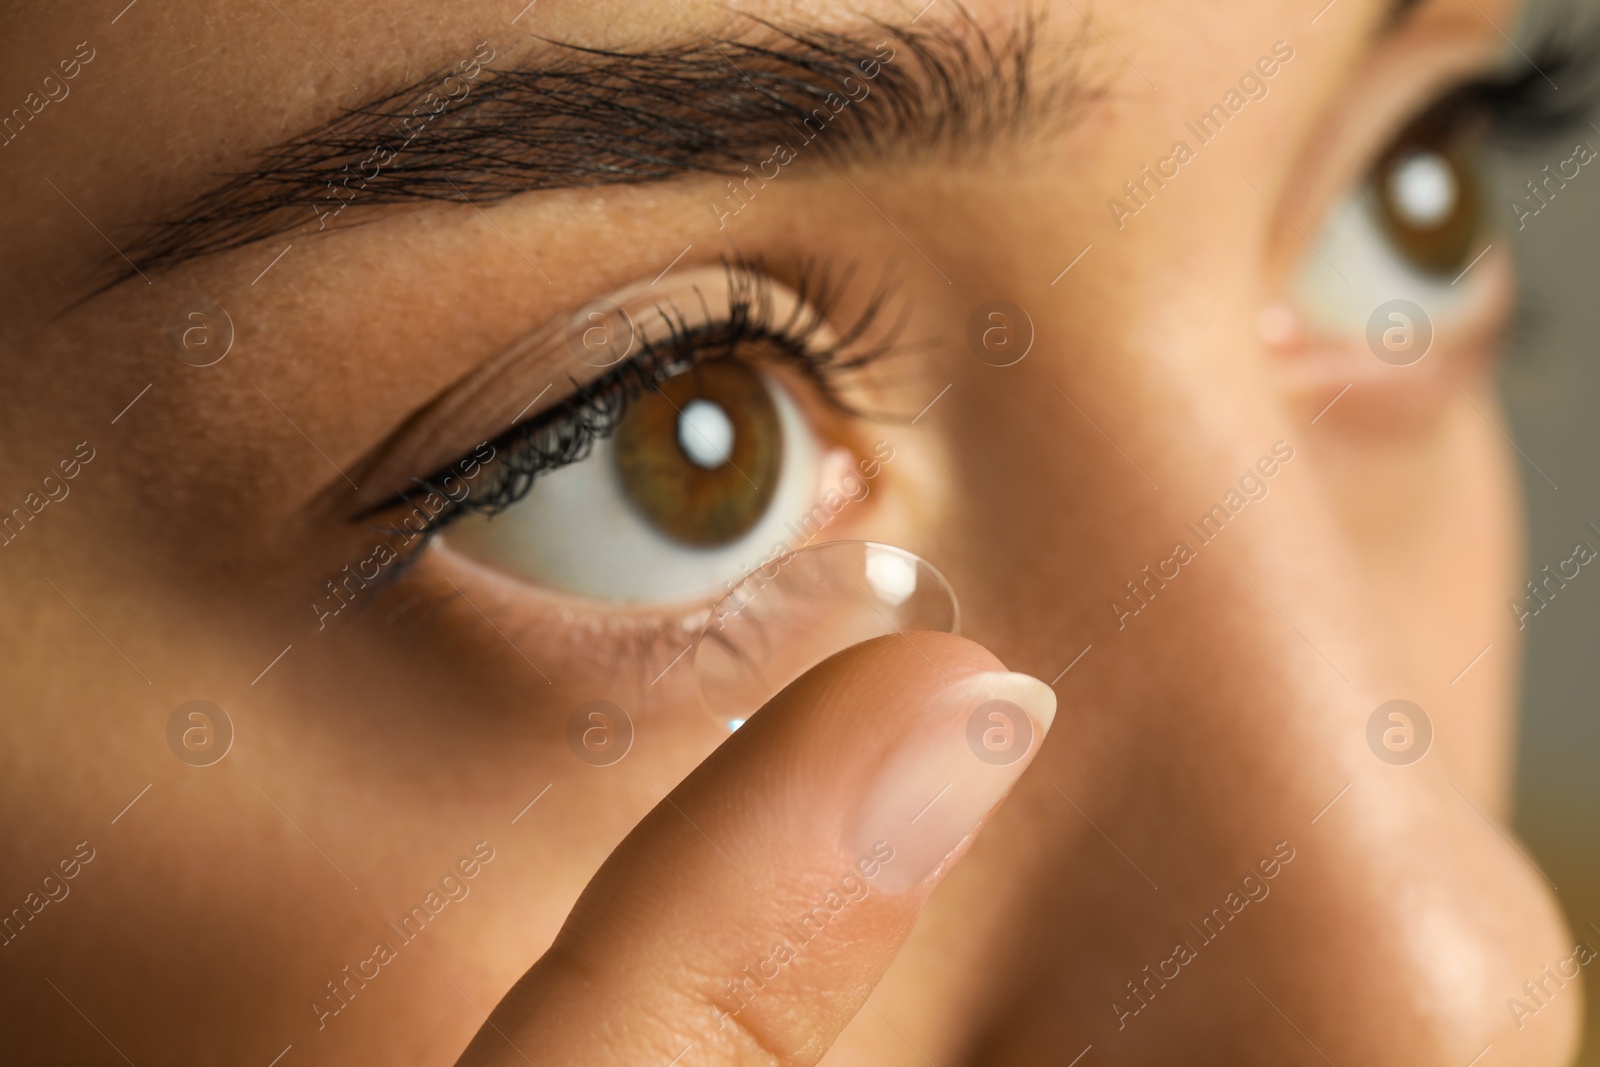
[[705, 433], [1423, 187], [785, 618]]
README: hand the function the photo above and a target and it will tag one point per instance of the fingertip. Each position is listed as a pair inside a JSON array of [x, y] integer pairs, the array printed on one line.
[[917, 662], [1024, 690]]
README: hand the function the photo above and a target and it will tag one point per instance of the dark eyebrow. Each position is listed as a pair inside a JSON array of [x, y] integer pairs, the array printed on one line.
[[576, 116]]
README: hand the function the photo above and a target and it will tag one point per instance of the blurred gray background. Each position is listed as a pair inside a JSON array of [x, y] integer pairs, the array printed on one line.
[[1551, 384]]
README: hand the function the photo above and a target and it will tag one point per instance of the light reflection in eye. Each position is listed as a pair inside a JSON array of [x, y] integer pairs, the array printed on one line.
[[705, 433], [1423, 189]]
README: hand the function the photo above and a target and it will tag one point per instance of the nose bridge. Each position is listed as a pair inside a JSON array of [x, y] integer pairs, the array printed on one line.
[[1247, 856], [1233, 799]]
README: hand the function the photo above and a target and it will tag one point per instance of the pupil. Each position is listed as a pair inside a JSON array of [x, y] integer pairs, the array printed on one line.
[[1423, 189], [705, 433]]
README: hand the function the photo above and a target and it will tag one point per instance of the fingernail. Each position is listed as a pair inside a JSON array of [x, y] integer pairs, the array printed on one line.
[[966, 750]]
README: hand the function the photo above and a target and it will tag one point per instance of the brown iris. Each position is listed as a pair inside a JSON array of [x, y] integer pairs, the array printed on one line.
[[1428, 194], [699, 457]]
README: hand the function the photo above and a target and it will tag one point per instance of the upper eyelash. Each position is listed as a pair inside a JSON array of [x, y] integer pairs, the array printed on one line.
[[567, 433], [1524, 104]]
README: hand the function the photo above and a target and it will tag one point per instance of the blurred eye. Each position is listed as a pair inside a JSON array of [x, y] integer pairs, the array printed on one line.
[[687, 465], [1406, 234]]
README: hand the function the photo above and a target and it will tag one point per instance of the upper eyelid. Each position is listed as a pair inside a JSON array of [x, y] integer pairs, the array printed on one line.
[[491, 399], [1518, 95], [752, 314]]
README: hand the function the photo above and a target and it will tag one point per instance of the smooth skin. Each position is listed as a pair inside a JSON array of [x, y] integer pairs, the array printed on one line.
[[376, 754]]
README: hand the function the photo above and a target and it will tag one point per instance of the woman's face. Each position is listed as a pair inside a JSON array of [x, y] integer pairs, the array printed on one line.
[[1190, 472]]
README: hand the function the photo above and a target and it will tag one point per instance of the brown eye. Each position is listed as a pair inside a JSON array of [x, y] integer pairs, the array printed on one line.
[[700, 457], [1428, 196]]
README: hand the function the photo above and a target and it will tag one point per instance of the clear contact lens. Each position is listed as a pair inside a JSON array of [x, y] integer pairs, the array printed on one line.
[[800, 608]]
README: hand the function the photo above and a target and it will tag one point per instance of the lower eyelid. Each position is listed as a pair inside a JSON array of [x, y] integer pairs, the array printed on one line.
[[525, 627], [1342, 369], [577, 649]]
